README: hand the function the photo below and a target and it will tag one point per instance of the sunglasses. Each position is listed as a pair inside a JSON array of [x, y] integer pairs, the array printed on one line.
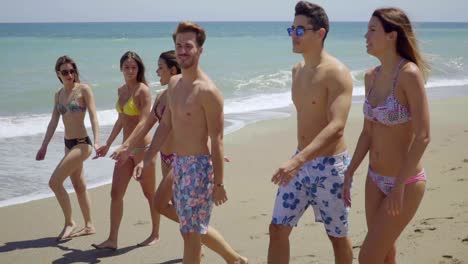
[[66, 72], [300, 31]]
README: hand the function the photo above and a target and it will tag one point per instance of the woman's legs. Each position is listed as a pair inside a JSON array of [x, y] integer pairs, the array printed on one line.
[[164, 194], [72, 160], [384, 229], [79, 184], [148, 185], [120, 180]]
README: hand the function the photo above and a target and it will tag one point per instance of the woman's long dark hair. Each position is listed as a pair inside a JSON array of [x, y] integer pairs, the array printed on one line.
[[141, 67]]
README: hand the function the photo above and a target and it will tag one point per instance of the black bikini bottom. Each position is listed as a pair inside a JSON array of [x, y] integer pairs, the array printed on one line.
[[70, 143]]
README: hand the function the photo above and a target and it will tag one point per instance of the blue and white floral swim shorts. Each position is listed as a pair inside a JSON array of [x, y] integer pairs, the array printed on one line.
[[318, 183]]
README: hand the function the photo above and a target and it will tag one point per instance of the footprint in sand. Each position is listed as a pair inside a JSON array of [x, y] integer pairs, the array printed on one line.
[[424, 221], [246, 201], [421, 230], [429, 222], [450, 259], [141, 222], [302, 259], [455, 168], [254, 237]]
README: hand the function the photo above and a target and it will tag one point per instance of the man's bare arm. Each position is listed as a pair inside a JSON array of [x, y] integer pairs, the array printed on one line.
[[212, 101]]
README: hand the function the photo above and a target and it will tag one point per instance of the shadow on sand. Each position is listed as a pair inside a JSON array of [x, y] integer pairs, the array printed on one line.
[[73, 255], [33, 243]]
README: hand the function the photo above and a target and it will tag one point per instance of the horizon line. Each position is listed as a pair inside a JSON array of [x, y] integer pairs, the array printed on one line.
[[208, 21]]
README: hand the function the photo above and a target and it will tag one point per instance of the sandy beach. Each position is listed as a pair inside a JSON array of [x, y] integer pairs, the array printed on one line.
[[437, 234]]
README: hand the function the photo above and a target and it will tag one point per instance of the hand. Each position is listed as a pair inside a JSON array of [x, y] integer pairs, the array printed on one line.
[[394, 200], [121, 155], [138, 171], [219, 195], [286, 172], [41, 153], [348, 180], [101, 151]]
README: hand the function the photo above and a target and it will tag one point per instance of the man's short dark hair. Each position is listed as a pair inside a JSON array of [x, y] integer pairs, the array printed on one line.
[[315, 14], [187, 26]]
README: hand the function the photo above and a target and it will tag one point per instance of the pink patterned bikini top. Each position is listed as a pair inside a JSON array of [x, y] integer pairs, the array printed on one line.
[[390, 112]]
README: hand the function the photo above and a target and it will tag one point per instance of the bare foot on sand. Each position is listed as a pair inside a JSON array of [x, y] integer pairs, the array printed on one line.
[[202, 252], [106, 245], [66, 231], [241, 260], [89, 230], [151, 240]]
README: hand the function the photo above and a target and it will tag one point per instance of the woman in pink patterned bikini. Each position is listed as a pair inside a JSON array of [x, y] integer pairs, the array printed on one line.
[[395, 133]]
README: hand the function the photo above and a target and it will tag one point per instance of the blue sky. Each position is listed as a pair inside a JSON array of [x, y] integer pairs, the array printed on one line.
[[217, 10]]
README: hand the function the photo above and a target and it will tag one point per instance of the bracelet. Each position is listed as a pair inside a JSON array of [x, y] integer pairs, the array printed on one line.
[[219, 185]]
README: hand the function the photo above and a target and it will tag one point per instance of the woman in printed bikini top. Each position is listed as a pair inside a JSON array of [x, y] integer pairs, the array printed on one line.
[[71, 102], [395, 133]]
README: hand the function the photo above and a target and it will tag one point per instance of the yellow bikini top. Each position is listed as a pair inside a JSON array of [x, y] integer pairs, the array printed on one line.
[[129, 108]]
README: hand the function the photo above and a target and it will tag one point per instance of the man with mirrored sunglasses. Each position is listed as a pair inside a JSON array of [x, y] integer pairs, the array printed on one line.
[[322, 93]]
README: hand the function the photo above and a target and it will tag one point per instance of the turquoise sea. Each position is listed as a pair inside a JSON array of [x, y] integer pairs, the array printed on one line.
[[249, 61]]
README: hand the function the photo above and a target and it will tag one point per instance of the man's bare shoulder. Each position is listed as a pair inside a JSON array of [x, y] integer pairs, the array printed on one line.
[[337, 75], [332, 66], [208, 88], [296, 67], [295, 70], [173, 81], [209, 92]]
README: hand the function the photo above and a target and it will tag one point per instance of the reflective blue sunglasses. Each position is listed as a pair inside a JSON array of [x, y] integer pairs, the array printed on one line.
[[300, 30]]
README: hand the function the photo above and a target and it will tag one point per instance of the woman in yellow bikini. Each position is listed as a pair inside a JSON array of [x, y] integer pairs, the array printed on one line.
[[133, 106]]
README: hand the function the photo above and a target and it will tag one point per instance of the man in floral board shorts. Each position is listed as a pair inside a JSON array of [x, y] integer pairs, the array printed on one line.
[[321, 92], [194, 113]]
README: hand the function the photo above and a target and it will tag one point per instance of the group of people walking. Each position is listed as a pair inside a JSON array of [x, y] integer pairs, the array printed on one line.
[[189, 138]]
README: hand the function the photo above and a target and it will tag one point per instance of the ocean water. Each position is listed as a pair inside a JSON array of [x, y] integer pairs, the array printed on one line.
[[249, 61]]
